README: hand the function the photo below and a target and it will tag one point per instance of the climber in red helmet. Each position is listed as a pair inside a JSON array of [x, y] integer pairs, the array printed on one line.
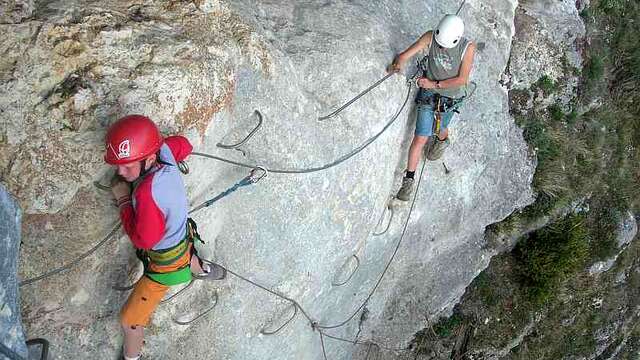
[[153, 208]]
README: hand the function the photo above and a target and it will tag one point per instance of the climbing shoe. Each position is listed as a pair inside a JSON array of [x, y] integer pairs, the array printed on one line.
[[437, 148], [211, 272], [405, 190]]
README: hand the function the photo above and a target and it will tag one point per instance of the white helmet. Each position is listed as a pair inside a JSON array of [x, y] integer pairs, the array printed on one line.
[[449, 31]]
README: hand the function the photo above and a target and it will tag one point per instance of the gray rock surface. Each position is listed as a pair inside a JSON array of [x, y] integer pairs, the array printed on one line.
[[549, 35], [15, 11], [201, 68], [10, 321]]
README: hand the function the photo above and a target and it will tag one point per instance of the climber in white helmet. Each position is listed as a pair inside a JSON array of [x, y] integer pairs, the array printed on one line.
[[445, 75]]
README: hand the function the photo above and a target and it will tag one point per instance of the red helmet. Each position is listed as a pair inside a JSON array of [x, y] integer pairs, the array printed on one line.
[[132, 138]]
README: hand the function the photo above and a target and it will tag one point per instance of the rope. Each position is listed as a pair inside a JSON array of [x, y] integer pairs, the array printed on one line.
[[314, 324], [460, 8], [338, 161], [250, 179]]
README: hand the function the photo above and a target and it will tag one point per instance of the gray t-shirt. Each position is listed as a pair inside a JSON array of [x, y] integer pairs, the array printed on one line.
[[443, 64]]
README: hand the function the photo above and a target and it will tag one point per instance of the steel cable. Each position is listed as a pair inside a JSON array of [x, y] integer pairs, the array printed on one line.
[[331, 164]]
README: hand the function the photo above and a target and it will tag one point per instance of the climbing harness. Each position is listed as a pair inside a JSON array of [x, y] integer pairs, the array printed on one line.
[[249, 136], [331, 164], [12, 355], [364, 92]]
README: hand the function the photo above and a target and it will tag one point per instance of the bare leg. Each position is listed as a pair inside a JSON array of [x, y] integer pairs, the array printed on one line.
[[133, 340], [414, 151]]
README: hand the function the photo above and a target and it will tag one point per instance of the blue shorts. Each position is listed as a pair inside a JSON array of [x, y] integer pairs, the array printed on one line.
[[425, 116], [425, 119]]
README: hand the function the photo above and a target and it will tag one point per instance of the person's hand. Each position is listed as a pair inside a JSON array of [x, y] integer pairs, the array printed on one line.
[[121, 189], [425, 83], [395, 67]]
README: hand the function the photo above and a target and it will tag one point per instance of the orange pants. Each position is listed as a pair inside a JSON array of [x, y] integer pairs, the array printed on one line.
[[147, 294]]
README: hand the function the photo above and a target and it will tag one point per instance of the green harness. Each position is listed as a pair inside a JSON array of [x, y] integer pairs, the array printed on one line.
[[169, 256]]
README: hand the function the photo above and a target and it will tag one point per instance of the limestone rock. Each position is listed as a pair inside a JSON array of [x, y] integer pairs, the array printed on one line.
[[15, 11], [202, 68]]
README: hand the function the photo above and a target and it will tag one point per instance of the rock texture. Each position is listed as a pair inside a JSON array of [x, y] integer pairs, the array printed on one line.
[[10, 320], [201, 68]]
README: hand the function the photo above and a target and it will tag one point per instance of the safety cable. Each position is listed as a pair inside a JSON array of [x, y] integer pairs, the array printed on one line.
[[331, 164], [341, 159], [386, 268], [368, 342], [348, 103], [75, 261], [319, 327]]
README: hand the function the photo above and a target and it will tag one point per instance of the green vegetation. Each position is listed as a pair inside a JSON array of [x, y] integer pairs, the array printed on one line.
[[593, 69], [592, 158], [445, 327], [556, 113], [551, 254], [546, 84]]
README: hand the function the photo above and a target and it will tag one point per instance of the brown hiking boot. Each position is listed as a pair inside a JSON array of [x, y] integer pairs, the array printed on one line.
[[406, 189], [437, 149]]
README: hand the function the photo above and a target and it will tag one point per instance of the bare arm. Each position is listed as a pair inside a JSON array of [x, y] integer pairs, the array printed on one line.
[[422, 43]]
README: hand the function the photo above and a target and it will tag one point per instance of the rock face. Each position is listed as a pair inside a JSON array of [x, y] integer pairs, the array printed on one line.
[[10, 323], [548, 42], [201, 68]]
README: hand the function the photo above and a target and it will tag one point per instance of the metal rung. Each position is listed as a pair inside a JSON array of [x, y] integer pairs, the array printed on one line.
[[243, 141]]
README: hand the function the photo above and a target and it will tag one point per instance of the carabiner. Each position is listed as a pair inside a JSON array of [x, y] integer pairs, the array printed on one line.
[[252, 175]]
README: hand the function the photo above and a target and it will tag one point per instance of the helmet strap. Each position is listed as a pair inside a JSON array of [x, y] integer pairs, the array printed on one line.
[[143, 170]]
